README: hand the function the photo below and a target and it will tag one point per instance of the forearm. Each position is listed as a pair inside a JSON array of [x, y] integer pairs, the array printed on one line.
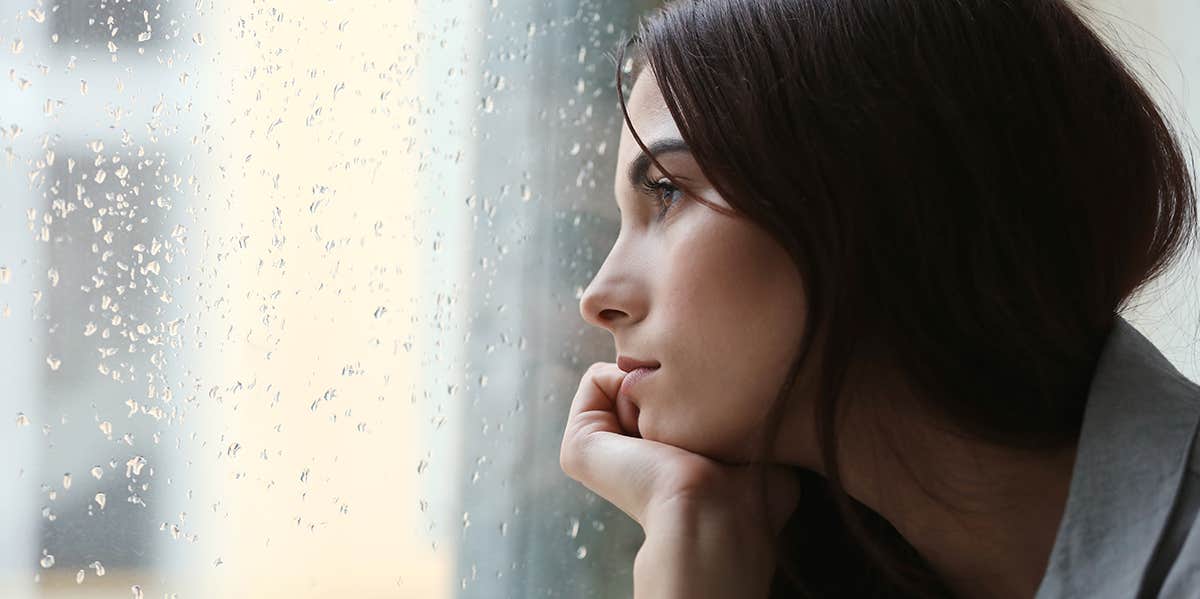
[[697, 554]]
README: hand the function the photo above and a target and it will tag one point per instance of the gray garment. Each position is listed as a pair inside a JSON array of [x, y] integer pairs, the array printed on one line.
[[1130, 529]]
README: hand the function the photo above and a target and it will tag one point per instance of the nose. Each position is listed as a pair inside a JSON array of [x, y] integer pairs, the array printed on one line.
[[614, 298]]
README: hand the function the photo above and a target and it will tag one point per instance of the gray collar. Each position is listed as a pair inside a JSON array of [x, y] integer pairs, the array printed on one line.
[[1138, 427]]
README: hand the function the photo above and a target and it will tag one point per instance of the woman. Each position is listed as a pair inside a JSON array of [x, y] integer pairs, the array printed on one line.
[[865, 300]]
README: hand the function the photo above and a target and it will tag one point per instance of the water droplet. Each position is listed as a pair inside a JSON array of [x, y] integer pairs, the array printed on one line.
[[67, 480], [134, 466], [304, 475], [79, 577], [100, 499], [198, 39], [101, 175], [47, 559], [99, 567], [82, 91], [97, 472], [504, 529], [5, 275], [581, 552], [38, 15], [17, 46], [53, 362], [106, 428], [137, 591], [574, 527], [421, 466], [22, 419], [489, 105], [380, 311]]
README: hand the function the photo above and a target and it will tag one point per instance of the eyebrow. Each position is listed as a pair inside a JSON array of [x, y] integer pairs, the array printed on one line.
[[641, 164]]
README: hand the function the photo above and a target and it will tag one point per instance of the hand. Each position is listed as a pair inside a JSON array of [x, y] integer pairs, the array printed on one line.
[[664, 488]]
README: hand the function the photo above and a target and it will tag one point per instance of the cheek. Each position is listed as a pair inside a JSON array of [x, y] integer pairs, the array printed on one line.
[[731, 307]]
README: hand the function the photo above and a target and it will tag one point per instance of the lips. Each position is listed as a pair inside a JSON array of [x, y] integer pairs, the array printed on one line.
[[627, 363]]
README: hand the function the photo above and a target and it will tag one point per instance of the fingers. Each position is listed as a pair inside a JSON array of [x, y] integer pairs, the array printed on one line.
[[636, 474], [596, 453], [606, 379]]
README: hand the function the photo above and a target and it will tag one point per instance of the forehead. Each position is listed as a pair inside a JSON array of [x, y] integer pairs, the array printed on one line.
[[650, 117]]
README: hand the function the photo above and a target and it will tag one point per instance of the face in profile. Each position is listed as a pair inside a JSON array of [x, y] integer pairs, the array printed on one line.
[[711, 298]]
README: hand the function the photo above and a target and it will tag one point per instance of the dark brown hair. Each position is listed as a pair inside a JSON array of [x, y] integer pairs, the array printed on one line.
[[972, 188]]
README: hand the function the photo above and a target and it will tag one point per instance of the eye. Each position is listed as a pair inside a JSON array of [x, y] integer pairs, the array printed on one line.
[[663, 194]]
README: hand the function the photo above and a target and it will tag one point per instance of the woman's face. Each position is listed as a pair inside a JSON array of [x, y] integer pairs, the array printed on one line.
[[711, 298]]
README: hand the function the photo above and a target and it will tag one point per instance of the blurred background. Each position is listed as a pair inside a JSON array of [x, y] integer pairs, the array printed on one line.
[[289, 291]]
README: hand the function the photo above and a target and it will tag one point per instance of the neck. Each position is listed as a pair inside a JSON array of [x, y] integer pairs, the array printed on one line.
[[984, 517]]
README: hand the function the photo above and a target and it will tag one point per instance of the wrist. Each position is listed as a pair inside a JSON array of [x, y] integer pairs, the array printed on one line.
[[697, 550]]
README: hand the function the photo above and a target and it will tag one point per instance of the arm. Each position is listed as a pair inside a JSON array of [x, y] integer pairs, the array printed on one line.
[[698, 552]]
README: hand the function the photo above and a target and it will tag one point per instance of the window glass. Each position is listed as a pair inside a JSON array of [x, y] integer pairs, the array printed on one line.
[[289, 297]]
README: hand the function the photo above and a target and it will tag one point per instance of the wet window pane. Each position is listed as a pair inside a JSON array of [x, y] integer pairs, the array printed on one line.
[[289, 296]]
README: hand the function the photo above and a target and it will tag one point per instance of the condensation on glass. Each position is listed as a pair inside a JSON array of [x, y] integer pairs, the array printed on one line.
[[289, 297]]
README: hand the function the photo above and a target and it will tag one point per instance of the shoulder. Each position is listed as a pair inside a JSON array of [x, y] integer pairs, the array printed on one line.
[[1130, 526], [1174, 567]]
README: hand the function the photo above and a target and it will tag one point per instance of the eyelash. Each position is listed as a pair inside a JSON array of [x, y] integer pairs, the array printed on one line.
[[652, 188]]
